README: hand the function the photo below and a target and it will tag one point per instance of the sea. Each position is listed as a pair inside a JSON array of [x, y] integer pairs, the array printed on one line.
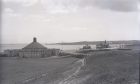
[[62, 47], [56, 46]]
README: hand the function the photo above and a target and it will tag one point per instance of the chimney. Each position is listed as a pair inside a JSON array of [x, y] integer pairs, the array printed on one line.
[[34, 39], [105, 42]]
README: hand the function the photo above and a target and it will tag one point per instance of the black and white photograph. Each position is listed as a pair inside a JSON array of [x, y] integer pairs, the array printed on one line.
[[69, 41]]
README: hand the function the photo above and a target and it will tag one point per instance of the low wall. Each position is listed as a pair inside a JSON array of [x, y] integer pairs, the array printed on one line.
[[31, 52]]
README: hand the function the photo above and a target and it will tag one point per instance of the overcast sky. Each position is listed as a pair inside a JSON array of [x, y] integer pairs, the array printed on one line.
[[69, 20]]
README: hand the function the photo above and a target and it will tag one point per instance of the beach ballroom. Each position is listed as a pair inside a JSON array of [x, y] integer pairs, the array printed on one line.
[[34, 49]]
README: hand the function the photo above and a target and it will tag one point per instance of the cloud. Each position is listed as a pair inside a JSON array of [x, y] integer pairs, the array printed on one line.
[[114, 5], [68, 6], [8, 10], [22, 1], [118, 5], [76, 19], [23, 6]]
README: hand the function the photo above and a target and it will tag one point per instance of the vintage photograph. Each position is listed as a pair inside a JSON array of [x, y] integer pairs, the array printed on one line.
[[69, 41]]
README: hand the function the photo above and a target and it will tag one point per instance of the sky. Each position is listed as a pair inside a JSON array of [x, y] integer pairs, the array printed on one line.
[[54, 21]]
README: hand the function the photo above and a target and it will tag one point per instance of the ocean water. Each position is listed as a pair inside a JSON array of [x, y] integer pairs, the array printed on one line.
[[62, 47]]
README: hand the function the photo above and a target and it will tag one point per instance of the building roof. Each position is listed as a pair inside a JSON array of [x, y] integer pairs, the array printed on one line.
[[34, 45]]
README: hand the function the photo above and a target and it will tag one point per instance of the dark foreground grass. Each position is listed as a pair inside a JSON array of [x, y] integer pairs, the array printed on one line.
[[110, 67], [17, 71], [102, 67]]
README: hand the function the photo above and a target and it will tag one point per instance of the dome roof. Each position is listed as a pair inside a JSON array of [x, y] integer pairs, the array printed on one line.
[[34, 45]]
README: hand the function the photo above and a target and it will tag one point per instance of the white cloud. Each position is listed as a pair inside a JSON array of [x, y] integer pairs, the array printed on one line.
[[8, 10], [73, 29], [70, 20], [58, 10], [21, 1], [67, 6]]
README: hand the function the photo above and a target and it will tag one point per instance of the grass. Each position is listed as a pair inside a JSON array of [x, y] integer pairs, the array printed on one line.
[[101, 67], [110, 67], [14, 70]]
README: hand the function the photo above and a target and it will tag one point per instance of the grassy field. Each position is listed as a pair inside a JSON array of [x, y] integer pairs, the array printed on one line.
[[100, 67], [109, 67], [22, 71]]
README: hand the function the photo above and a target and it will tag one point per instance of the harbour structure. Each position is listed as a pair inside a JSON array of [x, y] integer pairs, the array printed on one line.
[[103, 45], [34, 49], [86, 47]]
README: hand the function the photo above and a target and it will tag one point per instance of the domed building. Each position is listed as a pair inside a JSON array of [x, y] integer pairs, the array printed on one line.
[[35, 49]]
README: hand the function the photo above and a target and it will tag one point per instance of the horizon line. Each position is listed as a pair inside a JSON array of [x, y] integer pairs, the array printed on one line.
[[69, 42]]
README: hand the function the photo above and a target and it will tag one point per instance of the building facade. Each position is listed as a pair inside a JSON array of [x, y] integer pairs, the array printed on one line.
[[12, 53]]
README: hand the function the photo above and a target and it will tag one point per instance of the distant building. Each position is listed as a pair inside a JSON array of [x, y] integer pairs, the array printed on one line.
[[102, 45], [34, 49], [12, 53], [86, 47]]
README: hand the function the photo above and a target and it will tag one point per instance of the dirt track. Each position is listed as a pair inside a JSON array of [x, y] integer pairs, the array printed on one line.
[[109, 67], [18, 71], [102, 67]]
